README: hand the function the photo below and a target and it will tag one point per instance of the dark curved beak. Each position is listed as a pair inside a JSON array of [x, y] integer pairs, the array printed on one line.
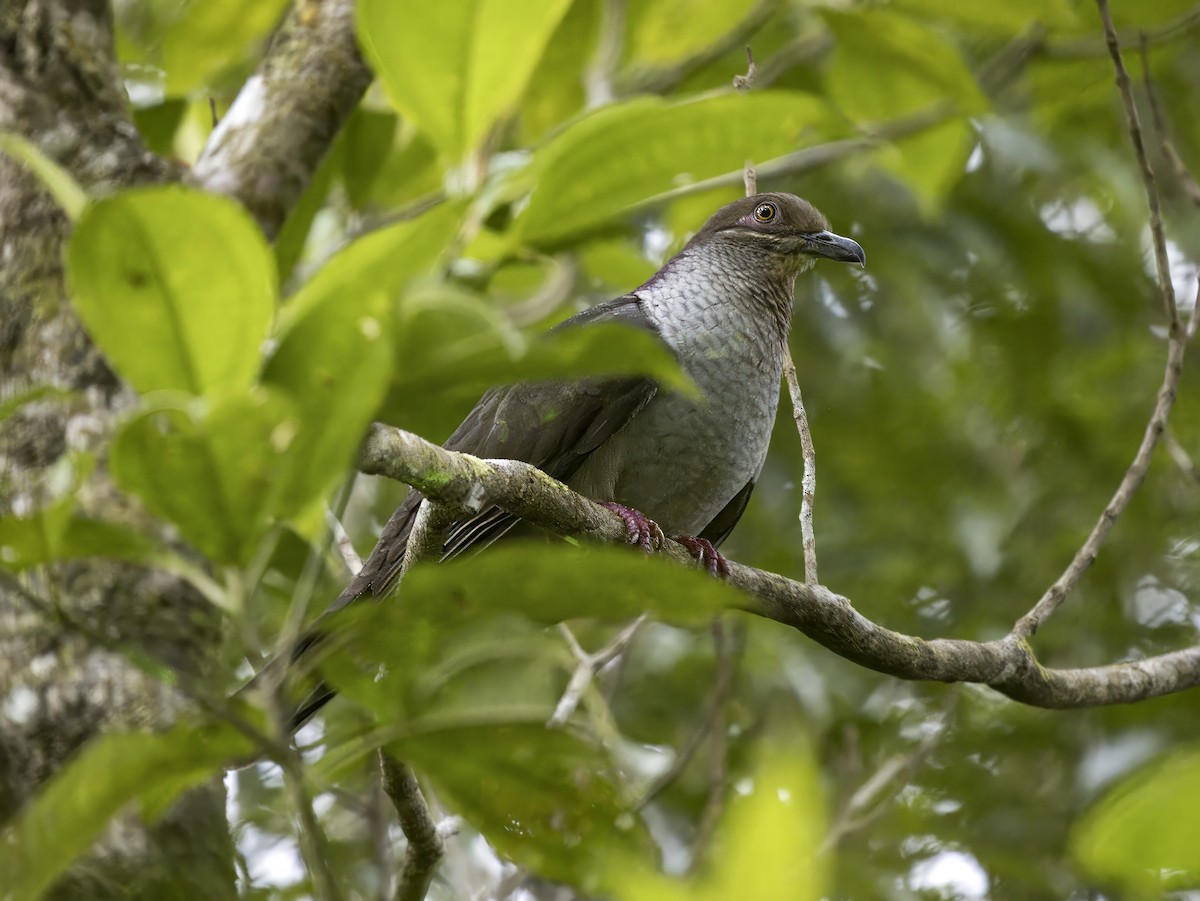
[[835, 247]]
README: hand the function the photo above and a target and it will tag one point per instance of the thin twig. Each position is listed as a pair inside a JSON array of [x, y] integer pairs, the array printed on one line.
[[425, 843], [1132, 480], [1125, 89], [746, 82], [1190, 186], [587, 665], [808, 481]]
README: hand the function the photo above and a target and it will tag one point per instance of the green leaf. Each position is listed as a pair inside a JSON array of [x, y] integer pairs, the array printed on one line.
[[605, 164], [334, 362], [211, 35], [1145, 828], [1008, 19], [546, 799], [367, 141], [36, 540], [456, 68], [911, 67], [216, 472], [668, 31], [558, 582], [176, 286], [385, 261], [293, 236], [58, 181], [75, 806]]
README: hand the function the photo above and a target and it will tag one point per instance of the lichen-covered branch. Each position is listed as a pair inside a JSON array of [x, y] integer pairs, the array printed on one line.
[[267, 147], [461, 482]]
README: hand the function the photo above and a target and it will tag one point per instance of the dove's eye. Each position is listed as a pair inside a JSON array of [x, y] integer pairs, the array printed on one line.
[[765, 212]]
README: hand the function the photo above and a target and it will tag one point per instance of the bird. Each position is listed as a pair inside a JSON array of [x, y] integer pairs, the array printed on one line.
[[664, 461]]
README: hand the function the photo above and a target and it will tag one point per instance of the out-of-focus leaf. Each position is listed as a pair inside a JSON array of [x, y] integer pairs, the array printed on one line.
[[765, 847], [158, 124], [176, 286], [410, 172], [208, 36], [618, 156], [1002, 18], [1146, 828], [290, 243], [58, 181], [931, 161], [32, 541], [12, 405], [544, 798], [668, 31], [333, 360], [912, 69], [366, 142], [382, 261], [78, 802], [556, 90], [217, 474], [557, 582], [37, 537], [456, 68]]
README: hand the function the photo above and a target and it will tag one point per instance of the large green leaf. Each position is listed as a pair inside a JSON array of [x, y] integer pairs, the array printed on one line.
[[668, 31], [74, 807], [617, 157], [1147, 828], [912, 68], [334, 361], [217, 472], [456, 68], [412, 633], [382, 261], [176, 286]]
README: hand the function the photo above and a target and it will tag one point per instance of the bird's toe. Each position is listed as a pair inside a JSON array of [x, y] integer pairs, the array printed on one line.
[[705, 553], [639, 528]]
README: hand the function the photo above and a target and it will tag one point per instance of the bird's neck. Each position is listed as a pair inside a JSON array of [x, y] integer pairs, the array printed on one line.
[[708, 293]]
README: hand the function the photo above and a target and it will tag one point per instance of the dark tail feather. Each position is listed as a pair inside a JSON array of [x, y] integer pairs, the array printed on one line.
[[317, 698]]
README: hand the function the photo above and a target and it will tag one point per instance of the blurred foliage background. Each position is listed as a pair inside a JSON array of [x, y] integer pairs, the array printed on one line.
[[975, 395]]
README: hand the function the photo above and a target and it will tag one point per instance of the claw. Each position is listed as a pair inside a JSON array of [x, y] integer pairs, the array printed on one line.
[[704, 552], [640, 529]]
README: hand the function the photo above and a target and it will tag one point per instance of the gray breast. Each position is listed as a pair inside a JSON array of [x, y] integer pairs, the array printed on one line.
[[681, 460]]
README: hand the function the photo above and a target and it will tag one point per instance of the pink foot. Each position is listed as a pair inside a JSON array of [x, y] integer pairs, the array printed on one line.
[[641, 530], [704, 552]]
